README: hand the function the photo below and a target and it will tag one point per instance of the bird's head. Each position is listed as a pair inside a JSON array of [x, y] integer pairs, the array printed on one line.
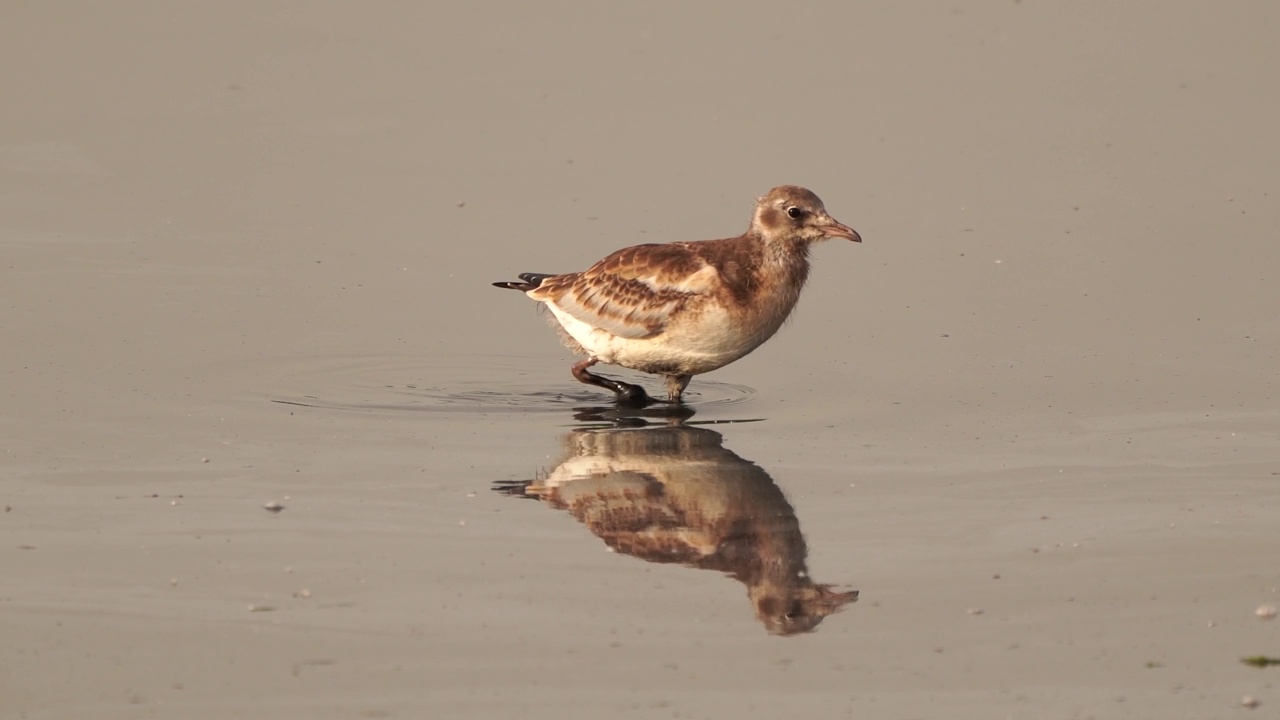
[[790, 212]]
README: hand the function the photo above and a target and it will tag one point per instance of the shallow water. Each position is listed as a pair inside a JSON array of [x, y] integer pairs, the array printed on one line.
[[270, 438]]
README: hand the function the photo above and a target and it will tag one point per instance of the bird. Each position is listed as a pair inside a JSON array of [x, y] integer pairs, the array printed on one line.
[[681, 309]]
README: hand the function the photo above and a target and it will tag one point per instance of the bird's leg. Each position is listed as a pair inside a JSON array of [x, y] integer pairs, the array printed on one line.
[[627, 393], [676, 385]]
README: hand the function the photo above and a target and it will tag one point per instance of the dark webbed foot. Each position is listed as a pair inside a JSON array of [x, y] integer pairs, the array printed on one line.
[[632, 395], [628, 395]]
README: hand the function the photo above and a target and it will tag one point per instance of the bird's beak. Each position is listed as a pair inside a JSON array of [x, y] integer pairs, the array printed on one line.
[[837, 229]]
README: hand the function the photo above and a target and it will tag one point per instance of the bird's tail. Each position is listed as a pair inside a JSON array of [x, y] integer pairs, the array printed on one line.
[[528, 281]]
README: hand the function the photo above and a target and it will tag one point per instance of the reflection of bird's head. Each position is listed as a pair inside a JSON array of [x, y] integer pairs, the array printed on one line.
[[790, 611]]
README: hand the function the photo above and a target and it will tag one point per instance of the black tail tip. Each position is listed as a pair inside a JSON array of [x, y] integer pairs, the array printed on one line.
[[530, 281]]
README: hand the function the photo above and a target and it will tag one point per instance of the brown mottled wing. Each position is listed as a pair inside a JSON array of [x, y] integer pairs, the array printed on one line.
[[633, 292]]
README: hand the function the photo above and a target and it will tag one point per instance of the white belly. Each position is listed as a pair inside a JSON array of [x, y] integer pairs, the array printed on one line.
[[693, 344]]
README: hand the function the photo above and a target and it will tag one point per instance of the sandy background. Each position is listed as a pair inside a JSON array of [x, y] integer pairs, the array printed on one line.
[[1033, 418]]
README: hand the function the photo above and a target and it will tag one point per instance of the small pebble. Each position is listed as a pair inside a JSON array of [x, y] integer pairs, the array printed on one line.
[[975, 611], [273, 507], [204, 460], [303, 593], [1250, 702], [1266, 612]]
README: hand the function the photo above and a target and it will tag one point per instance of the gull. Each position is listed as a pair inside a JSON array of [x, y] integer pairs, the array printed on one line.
[[686, 308]]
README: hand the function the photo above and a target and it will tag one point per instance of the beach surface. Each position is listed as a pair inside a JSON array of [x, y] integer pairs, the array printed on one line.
[[266, 423]]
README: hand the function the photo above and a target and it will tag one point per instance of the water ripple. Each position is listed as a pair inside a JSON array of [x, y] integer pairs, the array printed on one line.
[[478, 384]]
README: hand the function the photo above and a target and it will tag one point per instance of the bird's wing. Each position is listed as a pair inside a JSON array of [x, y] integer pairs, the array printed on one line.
[[634, 292]]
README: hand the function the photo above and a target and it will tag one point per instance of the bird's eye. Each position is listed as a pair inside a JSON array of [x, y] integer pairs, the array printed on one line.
[[794, 212]]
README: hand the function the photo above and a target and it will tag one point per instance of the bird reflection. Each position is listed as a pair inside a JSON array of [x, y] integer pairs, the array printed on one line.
[[674, 494]]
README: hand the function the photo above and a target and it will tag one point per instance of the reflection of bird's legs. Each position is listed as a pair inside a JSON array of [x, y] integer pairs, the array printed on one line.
[[628, 394], [676, 385]]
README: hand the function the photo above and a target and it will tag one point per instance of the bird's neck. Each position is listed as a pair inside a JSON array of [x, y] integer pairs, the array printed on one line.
[[786, 263]]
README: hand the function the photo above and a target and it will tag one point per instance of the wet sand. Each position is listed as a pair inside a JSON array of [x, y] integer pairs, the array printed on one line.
[[244, 259]]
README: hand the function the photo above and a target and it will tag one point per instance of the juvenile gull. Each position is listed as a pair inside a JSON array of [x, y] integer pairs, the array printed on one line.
[[686, 308]]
